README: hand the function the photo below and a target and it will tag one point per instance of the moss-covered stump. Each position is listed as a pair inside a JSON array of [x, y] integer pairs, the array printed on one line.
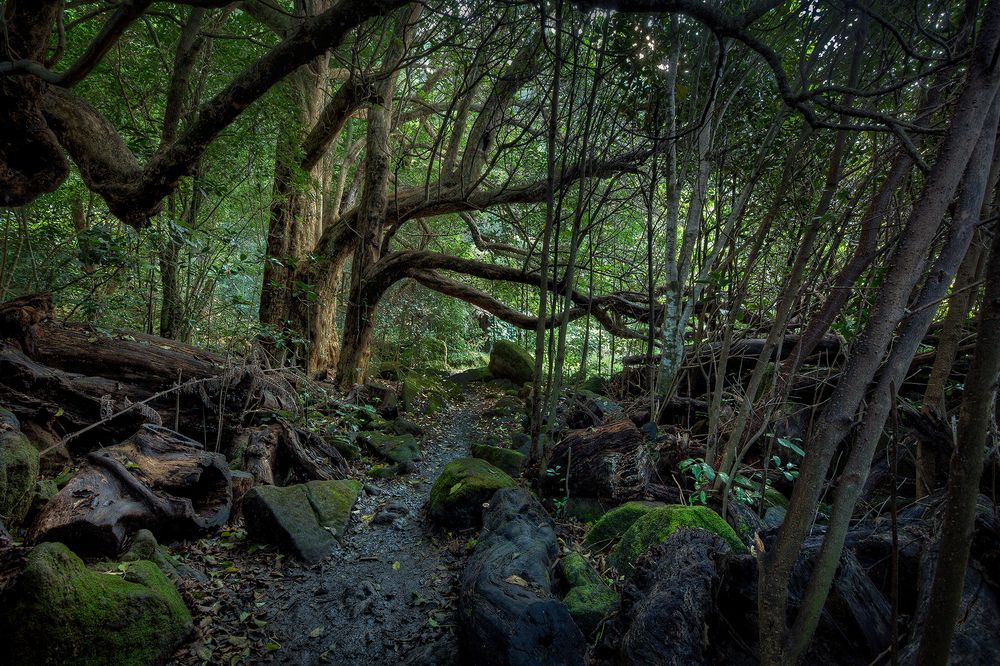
[[508, 460], [459, 493], [589, 599], [613, 524], [400, 449], [18, 473], [509, 361], [656, 527], [61, 612], [306, 519]]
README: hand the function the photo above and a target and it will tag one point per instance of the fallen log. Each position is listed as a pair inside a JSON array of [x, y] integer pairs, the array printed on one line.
[[509, 615], [669, 600], [66, 377], [609, 461], [156, 479]]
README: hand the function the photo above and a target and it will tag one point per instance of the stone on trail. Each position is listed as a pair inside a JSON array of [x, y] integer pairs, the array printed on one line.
[[472, 375], [508, 460], [401, 449], [459, 493], [658, 525], [509, 361], [61, 612], [307, 519]]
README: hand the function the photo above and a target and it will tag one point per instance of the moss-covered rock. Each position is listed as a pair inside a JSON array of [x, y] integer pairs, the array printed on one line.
[[616, 522], [589, 599], [61, 612], [18, 473], [508, 460], [595, 384], [306, 519], [656, 527], [345, 444], [385, 471], [401, 449], [403, 426], [458, 494], [427, 393], [471, 376], [506, 405], [509, 361]]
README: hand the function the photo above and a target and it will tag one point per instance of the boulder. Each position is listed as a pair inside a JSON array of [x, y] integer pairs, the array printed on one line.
[[307, 519], [18, 473], [508, 460], [400, 449], [61, 612], [658, 525], [505, 406], [472, 375], [509, 361], [613, 524], [404, 426], [459, 493], [508, 614], [589, 599]]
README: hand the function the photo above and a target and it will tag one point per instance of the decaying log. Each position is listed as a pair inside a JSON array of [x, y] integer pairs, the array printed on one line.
[[508, 613], [71, 376], [607, 462], [156, 479], [669, 599], [280, 454]]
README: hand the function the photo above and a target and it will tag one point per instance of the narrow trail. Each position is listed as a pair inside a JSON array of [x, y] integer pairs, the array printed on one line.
[[387, 595]]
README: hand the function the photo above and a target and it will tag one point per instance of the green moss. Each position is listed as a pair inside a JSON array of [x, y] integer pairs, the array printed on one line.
[[60, 612], [471, 376], [509, 361], [589, 599], [508, 460], [615, 522], [18, 473], [384, 471], [459, 492], [306, 518], [427, 393], [401, 449], [656, 527], [344, 445]]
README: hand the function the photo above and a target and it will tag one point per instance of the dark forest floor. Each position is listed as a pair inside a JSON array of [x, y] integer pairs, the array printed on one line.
[[386, 596]]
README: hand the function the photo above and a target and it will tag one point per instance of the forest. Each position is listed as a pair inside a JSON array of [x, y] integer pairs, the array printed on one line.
[[562, 332]]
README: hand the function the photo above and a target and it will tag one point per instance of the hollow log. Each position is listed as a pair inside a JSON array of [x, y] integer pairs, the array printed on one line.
[[609, 461], [156, 479], [508, 613]]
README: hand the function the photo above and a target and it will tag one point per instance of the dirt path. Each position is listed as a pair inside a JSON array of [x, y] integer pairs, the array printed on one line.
[[386, 596]]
